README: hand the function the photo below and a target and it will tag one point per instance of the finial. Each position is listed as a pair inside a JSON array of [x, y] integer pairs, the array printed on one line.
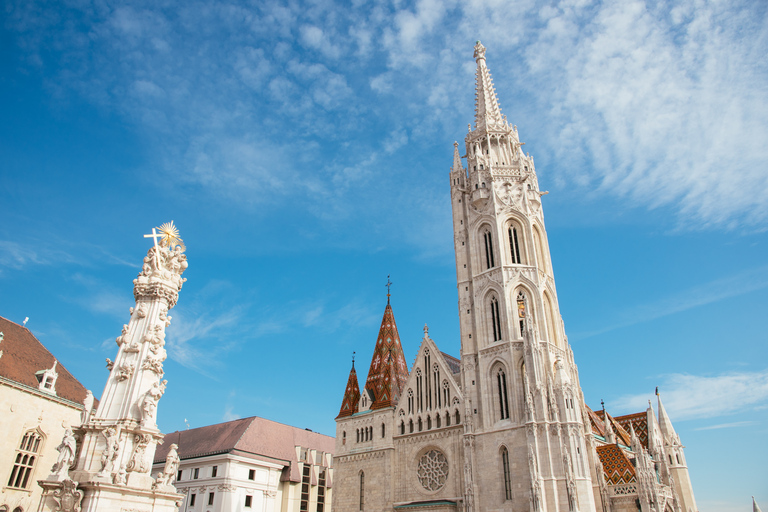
[[456, 144], [479, 51], [603, 404], [657, 390], [353, 359], [389, 283], [426, 331]]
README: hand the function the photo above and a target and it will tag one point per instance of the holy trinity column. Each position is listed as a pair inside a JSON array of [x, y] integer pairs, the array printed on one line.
[[105, 463]]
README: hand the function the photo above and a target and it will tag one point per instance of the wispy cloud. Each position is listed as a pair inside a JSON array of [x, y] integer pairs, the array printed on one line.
[[693, 397], [719, 289], [727, 425]]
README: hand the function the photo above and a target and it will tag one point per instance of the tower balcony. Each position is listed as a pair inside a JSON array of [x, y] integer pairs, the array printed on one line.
[[480, 195]]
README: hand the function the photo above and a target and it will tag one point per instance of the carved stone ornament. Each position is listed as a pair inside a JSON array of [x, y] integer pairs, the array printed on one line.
[[149, 403], [67, 450], [153, 364], [67, 497], [142, 311], [110, 364], [168, 474], [123, 338], [125, 371], [111, 450], [138, 461], [433, 470]]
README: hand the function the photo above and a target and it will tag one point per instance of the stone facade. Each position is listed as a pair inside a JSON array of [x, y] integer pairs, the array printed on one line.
[[505, 427], [31, 412]]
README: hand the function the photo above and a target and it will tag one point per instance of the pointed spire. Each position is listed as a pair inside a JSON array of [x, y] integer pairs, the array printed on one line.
[[388, 371], [665, 424], [610, 436], [655, 441], [487, 111], [457, 167], [350, 403], [634, 441], [755, 508]]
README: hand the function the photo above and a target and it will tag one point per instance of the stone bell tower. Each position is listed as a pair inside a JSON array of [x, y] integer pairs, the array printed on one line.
[[109, 466], [519, 379]]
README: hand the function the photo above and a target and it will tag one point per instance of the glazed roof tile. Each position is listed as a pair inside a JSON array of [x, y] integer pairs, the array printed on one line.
[[388, 371], [617, 467], [24, 356], [351, 402], [639, 422]]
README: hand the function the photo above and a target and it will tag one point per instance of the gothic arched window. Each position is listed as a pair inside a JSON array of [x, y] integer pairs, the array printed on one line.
[[410, 401], [446, 393], [362, 491], [514, 245], [419, 390], [402, 428], [501, 382], [488, 238], [495, 319], [505, 470], [24, 464], [410, 426], [436, 385], [521, 312], [458, 417]]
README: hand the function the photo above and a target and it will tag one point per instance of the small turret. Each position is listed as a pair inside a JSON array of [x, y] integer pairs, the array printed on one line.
[[350, 402]]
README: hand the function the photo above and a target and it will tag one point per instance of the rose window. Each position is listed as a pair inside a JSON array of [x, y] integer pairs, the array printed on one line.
[[433, 470]]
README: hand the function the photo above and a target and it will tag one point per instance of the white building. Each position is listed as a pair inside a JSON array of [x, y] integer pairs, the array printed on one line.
[[252, 464], [39, 398], [505, 426]]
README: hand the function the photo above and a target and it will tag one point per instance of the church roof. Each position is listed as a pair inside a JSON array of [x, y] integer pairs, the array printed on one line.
[[639, 422], [388, 371], [618, 429], [256, 437], [351, 402], [23, 356], [453, 363], [617, 467]]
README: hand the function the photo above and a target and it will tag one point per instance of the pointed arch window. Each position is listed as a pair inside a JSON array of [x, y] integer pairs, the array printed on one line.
[[419, 390], [402, 428], [501, 383], [505, 470], [458, 417], [362, 491], [436, 385], [495, 319], [446, 393], [489, 260], [521, 312], [514, 245], [26, 456], [410, 426], [410, 401]]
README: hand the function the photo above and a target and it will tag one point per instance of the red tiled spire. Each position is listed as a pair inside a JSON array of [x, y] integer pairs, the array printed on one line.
[[388, 371], [351, 402]]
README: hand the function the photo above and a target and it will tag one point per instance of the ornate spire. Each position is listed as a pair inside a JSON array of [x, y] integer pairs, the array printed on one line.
[[665, 424], [456, 158], [350, 403], [388, 371], [487, 110]]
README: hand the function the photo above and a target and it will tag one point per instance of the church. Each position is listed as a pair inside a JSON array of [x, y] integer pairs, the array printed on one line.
[[505, 427]]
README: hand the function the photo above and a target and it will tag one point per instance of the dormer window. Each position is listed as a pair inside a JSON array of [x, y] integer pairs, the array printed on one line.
[[47, 379]]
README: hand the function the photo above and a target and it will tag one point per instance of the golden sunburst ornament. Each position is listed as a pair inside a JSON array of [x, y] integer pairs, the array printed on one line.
[[170, 236]]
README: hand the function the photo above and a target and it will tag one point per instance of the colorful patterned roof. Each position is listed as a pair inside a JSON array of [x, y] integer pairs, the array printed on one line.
[[351, 402], [617, 467], [595, 421], [388, 371], [621, 433], [639, 422]]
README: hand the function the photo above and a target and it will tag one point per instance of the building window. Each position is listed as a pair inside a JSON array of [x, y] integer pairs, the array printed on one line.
[[251, 474], [344, 437], [383, 431], [458, 417], [410, 401], [304, 505], [214, 471], [24, 464], [514, 245], [501, 381], [402, 427], [495, 319], [321, 491], [421, 425], [210, 498], [192, 500], [505, 469], [248, 501], [178, 476], [446, 393], [521, 312], [488, 238], [362, 491], [196, 473], [410, 426]]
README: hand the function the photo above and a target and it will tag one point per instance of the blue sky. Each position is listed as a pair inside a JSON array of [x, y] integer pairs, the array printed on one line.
[[303, 148]]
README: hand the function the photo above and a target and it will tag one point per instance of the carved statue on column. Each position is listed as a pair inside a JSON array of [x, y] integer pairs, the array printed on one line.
[[67, 450], [171, 467], [149, 403]]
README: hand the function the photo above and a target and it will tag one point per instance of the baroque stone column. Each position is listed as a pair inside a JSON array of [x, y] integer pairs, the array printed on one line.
[[116, 444]]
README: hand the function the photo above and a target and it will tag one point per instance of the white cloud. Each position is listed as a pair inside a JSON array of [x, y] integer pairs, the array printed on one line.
[[692, 396], [727, 425]]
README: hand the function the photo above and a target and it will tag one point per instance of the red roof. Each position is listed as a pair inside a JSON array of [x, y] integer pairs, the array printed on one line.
[[258, 437], [351, 402], [388, 371], [24, 356], [621, 433], [617, 467]]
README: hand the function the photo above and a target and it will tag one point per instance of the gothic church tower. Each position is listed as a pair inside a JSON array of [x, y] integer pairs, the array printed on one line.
[[519, 380]]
